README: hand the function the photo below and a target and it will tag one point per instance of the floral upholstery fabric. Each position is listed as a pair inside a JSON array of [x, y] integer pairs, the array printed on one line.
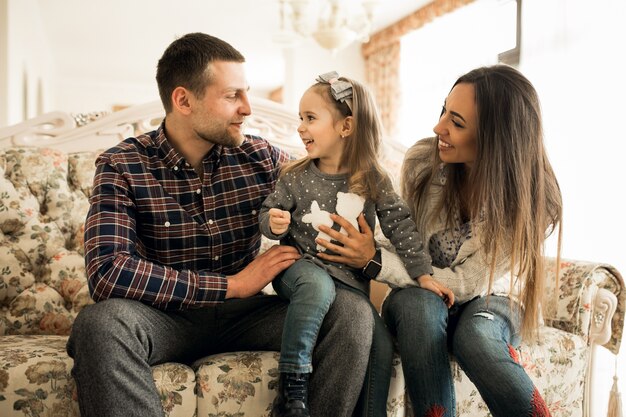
[[35, 377], [43, 203], [572, 310], [35, 380]]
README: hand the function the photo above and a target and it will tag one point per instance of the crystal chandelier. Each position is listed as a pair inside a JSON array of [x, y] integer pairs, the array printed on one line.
[[333, 24]]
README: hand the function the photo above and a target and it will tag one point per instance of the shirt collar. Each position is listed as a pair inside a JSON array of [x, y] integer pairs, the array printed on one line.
[[172, 158]]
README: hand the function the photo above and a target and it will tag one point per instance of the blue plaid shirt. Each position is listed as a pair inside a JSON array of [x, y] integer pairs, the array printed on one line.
[[157, 233]]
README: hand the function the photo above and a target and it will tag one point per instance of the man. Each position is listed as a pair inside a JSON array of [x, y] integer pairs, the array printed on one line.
[[171, 240]]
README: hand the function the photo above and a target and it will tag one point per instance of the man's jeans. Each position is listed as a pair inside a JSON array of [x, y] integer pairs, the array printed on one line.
[[310, 292], [481, 334]]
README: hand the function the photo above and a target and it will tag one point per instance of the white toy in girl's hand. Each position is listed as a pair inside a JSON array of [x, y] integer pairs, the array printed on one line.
[[349, 206], [317, 218]]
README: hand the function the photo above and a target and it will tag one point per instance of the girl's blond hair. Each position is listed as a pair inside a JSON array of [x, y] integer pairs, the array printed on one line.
[[362, 146]]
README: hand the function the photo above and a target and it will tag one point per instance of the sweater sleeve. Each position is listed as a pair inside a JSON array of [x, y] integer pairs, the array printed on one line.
[[282, 198], [393, 272], [397, 225]]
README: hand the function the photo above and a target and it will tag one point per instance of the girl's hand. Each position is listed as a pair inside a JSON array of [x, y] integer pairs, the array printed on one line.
[[279, 221], [427, 282], [358, 246]]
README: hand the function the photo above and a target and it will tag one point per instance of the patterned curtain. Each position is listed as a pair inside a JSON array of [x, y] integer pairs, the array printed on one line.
[[382, 57], [382, 72]]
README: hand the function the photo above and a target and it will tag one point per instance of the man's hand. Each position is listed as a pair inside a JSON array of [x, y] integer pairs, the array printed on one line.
[[260, 272], [358, 246], [279, 221], [427, 282]]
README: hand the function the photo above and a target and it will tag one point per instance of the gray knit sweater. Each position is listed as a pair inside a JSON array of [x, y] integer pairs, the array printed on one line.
[[302, 193]]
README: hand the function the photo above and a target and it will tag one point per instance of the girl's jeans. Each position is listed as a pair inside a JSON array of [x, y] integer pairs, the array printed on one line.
[[481, 334], [310, 291]]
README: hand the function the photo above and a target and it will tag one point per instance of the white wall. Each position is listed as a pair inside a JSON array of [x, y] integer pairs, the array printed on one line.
[[576, 63], [107, 54], [305, 62], [27, 66], [300, 67], [87, 94]]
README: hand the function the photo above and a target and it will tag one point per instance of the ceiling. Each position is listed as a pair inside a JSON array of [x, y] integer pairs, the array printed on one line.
[[116, 39]]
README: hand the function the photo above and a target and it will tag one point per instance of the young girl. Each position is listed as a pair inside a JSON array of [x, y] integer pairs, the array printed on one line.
[[341, 132]]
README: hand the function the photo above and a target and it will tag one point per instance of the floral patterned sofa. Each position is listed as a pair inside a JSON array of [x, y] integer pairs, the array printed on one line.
[[46, 169]]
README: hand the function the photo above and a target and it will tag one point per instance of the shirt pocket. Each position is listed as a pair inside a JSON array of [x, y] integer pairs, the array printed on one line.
[[164, 234]]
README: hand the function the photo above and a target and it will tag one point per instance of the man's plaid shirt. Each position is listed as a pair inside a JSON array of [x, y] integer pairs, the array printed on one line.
[[156, 233]]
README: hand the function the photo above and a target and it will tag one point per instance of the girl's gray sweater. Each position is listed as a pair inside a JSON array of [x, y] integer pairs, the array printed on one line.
[[298, 193]]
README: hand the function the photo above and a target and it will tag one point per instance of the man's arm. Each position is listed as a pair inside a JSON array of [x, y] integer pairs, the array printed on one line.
[[115, 269]]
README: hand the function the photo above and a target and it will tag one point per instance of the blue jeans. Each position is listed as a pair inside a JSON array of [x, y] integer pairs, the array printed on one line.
[[310, 291], [481, 334], [373, 399]]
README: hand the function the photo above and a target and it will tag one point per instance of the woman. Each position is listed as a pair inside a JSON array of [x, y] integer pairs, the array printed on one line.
[[485, 196]]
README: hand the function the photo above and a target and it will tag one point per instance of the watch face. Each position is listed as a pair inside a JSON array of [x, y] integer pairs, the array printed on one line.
[[372, 269]]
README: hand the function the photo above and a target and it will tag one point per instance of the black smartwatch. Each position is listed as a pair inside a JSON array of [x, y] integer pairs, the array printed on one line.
[[373, 266]]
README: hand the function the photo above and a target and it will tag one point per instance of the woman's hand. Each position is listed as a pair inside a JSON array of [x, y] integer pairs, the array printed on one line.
[[427, 282], [358, 246]]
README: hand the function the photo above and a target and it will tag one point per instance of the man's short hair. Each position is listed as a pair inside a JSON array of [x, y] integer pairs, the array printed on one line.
[[185, 63]]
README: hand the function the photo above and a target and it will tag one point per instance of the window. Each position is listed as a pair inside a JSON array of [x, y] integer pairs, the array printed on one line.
[[434, 56]]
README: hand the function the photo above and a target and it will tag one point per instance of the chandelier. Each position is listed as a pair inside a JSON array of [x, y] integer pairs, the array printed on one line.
[[333, 24]]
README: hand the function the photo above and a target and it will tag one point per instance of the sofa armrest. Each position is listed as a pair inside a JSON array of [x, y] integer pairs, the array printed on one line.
[[590, 301]]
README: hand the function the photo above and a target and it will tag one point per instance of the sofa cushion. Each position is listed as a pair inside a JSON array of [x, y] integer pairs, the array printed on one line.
[[35, 380], [176, 385], [43, 204], [227, 381], [245, 384], [35, 376]]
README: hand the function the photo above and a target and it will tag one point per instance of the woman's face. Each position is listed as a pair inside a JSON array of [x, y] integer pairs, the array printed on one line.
[[457, 126]]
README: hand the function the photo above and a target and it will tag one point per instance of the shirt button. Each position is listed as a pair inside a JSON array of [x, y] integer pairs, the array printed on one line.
[[198, 191], [216, 258], [210, 221], [167, 224], [175, 168], [253, 211]]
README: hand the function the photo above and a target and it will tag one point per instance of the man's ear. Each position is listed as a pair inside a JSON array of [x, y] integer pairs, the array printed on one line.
[[181, 100], [347, 126]]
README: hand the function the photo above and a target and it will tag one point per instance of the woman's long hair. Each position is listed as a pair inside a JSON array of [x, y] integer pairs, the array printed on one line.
[[362, 146], [514, 195]]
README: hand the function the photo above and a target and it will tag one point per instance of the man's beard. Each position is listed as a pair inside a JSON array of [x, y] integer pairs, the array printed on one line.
[[224, 138]]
